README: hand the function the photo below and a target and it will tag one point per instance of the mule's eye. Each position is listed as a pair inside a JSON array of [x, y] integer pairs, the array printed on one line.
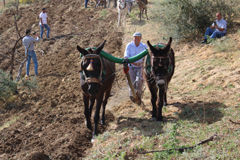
[[85, 65]]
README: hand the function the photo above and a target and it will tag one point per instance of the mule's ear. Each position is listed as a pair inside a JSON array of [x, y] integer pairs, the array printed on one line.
[[168, 46], [153, 50], [81, 50], [100, 47]]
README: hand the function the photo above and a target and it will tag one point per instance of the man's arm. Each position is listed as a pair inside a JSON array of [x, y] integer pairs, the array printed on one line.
[[35, 40], [220, 29], [40, 16]]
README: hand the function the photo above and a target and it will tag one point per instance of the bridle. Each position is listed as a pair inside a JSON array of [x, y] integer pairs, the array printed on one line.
[[160, 60], [92, 79], [160, 79]]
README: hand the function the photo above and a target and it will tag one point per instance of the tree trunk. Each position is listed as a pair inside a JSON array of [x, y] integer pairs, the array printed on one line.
[[3, 3]]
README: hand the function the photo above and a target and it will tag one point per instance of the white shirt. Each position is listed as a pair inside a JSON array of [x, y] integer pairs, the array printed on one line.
[[28, 42], [44, 18], [221, 24], [133, 50]]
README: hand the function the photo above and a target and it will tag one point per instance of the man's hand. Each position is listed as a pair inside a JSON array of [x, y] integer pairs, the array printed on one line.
[[137, 64]]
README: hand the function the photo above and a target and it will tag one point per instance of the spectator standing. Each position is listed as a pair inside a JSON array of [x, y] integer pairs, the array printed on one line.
[[28, 43], [86, 2], [217, 30], [43, 22], [135, 69]]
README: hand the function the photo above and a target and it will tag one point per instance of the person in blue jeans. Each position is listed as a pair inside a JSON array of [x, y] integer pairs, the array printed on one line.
[[28, 43], [43, 23], [217, 30], [86, 2]]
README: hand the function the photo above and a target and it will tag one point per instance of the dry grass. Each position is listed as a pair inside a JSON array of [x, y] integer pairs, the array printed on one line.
[[203, 96]]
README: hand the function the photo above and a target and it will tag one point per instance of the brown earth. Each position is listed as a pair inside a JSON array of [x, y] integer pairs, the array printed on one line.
[[50, 122]]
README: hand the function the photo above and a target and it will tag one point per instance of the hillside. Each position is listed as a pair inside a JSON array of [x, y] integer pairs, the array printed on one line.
[[203, 94]]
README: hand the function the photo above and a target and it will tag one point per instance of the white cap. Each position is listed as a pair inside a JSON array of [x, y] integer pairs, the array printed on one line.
[[137, 34]]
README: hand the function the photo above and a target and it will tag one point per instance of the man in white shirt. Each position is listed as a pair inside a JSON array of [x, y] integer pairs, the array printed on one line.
[[132, 49], [217, 30], [43, 22]]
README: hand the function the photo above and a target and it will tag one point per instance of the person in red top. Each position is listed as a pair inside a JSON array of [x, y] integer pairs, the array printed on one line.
[[43, 22]]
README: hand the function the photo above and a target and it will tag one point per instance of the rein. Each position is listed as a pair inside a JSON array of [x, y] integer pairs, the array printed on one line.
[[151, 76], [93, 79]]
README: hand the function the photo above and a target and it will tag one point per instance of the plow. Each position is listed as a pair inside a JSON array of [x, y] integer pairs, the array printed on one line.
[[125, 63]]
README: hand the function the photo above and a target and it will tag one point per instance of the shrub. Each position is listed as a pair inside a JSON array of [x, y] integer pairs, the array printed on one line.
[[183, 19], [9, 87]]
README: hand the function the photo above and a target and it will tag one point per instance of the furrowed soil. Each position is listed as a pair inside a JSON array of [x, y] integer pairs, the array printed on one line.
[[50, 123]]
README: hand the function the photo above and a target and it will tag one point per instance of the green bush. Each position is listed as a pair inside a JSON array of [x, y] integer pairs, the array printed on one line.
[[9, 87], [182, 19]]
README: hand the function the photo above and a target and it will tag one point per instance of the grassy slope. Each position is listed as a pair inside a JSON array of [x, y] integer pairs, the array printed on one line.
[[203, 96]]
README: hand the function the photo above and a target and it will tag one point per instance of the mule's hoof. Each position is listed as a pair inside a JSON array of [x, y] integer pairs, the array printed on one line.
[[153, 119], [102, 122], [159, 121], [93, 139]]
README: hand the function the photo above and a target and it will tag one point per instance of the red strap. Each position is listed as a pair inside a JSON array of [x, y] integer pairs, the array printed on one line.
[[126, 71]]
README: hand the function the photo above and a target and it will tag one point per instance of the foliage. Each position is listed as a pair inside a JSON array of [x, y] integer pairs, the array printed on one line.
[[9, 87], [103, 14], [27, 1], [184, 19]]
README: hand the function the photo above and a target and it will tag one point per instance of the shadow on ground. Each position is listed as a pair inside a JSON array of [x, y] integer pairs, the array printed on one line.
[[201, 112]]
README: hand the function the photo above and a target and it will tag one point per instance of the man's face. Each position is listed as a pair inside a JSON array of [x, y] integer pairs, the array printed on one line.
[[218, 16], [137, 40], [43, 11]]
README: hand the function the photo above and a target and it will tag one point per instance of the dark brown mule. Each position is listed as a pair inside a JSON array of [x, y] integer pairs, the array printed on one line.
[[96, 79], [142, 4], [158, 76]]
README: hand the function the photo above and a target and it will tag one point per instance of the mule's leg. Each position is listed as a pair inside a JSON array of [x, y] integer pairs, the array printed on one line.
[[165, 99], [108, 4], [86, 111], [92, 101], [106, 96], [115, 3], [124, 18], [96, 115], [140, 14], [153, 91], [105, 4], [146, 13], [119, 17], [160, 104]]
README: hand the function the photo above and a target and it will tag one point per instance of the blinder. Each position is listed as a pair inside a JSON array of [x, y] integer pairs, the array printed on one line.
[[161, 80], [161, 61], [91, 68]]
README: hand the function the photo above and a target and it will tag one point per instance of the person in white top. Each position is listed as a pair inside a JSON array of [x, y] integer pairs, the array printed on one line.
[[132, 49], [217, 30], [43, 23]]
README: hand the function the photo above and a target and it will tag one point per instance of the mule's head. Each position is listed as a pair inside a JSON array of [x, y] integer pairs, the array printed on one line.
[[160, 62], [91, 66]]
